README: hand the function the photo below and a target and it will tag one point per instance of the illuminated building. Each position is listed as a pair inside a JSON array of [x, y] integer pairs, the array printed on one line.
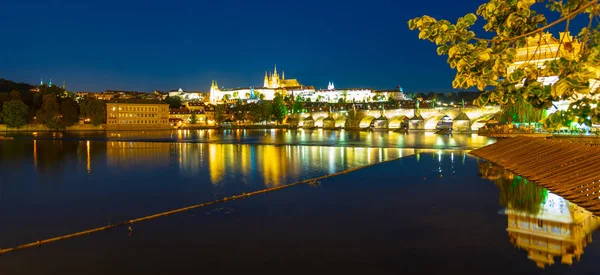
[[185, 114], [273, 81], [187, 96], [136, 114], [545, 47]]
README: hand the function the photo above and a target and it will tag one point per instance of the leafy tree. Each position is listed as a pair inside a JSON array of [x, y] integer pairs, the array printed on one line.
[[15, 95], [174, 102], [266, 111], [220, 114], [69, 110], [279, 108], [193, 118], [297, 107], [14, 113], [239, 112], [94, 109], [485, 63], [49, 113], [248, 95], [236, 94]]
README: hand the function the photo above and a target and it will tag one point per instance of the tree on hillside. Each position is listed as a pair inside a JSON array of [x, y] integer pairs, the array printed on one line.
[[220, 113], [69, 110], [15, 95], [266, 111], [14, 113], [279, 108], [174, 102], [49, 113], [484, 62], [297, 107], [94, 109]]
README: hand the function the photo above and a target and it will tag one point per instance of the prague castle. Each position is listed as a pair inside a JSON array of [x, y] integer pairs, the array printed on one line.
[[273, 81], [275, 84]]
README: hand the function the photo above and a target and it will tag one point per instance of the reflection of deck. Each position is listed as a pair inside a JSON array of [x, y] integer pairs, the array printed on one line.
[[568, 169]]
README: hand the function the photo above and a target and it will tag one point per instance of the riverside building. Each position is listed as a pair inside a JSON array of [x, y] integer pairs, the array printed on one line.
[[137, 115]]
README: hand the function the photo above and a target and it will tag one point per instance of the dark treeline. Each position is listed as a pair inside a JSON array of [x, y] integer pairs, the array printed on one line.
[[52, 105]]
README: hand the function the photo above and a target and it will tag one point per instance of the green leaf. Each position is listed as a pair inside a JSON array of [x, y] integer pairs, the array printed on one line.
[[470, 18]]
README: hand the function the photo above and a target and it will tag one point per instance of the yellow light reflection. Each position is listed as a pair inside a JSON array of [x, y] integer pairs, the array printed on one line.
[[89, 159]]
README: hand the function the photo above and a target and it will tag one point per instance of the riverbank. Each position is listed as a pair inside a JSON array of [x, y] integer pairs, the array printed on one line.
[[43, 128]]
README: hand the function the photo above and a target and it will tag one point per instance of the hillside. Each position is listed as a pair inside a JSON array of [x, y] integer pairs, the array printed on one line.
[[6, 86]]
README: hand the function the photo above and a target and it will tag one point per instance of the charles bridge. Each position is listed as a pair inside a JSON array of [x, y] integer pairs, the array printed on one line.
[[462, 119]]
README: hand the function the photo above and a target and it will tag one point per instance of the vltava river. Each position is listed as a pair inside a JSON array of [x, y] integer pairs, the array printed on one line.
[[435, 210]]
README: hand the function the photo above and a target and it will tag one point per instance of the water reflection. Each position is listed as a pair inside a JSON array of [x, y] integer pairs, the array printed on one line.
[[540, 222], [286, 137], [267, 164]]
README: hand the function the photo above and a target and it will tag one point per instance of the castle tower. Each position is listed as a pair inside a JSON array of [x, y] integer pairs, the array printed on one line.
[[266, 82], [275, 80]]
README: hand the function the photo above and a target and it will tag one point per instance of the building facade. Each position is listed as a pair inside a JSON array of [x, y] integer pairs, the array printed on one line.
[[185, 115], [136, 114]]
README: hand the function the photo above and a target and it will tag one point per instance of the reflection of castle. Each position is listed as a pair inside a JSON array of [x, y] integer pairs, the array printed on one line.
[[561, 229]]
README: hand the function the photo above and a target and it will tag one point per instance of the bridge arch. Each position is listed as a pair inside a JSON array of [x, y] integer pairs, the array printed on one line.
[[365, 122], [398, 121], [481, 121], [319, 122], [340, 122], [308, 122], [431, 123]]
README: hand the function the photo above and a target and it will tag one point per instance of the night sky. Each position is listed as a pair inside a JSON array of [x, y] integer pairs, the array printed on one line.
[[142, 46]]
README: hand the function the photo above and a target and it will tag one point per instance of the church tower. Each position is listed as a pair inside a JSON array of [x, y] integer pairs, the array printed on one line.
[[266, 82], [275, 80]]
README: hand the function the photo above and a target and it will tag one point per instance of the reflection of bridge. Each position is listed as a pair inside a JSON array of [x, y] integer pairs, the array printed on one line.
[[469, 118]]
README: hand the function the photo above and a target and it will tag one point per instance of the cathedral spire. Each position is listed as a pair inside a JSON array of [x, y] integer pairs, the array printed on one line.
[[266, 81], [275, 71], [41, 81], [64, 85], [50, 83], [282, 75]]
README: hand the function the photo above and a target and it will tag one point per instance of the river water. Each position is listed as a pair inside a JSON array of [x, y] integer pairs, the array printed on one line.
[[434, 209]]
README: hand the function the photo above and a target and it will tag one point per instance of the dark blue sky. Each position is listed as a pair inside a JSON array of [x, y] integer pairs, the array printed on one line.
[[139, 45]]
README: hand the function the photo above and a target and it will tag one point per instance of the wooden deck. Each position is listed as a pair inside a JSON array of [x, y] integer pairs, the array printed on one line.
[[507, 135], [564, 167]]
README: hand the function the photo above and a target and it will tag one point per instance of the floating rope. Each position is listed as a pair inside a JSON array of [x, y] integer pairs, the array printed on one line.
[[183, 209]]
